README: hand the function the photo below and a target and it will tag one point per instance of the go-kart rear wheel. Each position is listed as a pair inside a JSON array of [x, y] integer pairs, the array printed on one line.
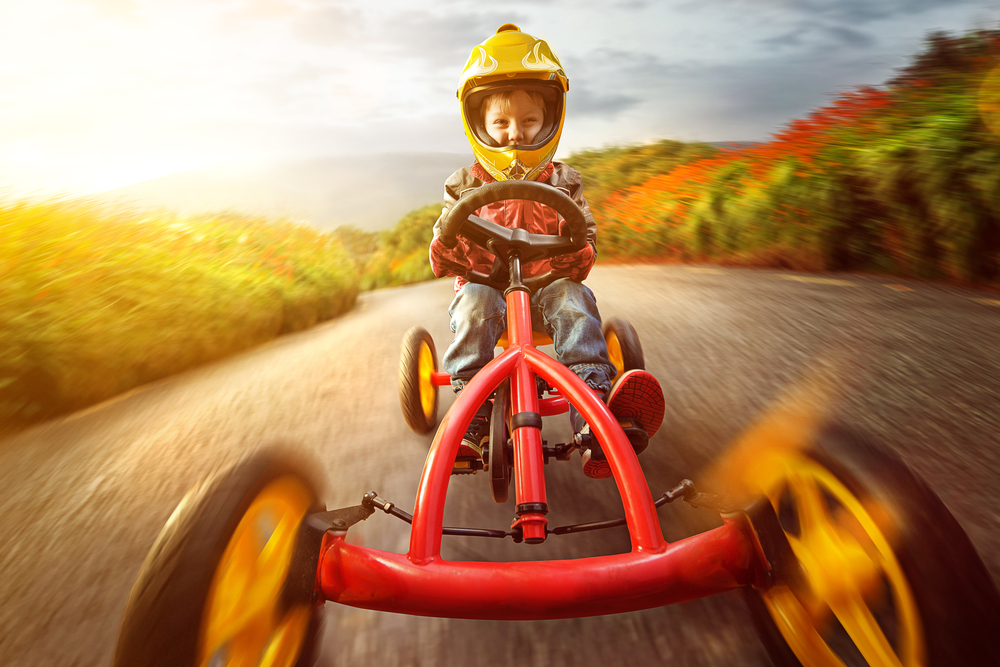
[[890, 576], [210, 592], [417, 394], [624, 349]]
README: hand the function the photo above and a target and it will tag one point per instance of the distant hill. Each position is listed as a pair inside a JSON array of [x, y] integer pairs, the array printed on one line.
[[370, 192]]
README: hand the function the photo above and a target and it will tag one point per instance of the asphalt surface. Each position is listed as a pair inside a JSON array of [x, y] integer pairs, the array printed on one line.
[[83, 497]]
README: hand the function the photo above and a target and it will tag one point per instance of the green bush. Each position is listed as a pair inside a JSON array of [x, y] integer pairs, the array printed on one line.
[[98, 300]]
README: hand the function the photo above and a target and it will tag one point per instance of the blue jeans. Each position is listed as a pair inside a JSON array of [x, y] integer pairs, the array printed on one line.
[[565, 310]]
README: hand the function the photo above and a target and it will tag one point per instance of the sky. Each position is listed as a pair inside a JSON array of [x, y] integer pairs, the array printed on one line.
[[96, 94]]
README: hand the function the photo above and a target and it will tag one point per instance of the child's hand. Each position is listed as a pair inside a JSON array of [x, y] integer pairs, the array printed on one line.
[[574, 265], [447, 267], [447, 261]]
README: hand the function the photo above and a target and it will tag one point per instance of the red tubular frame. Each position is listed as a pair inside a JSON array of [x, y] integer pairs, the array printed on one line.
[[712, 562], [652, 574]]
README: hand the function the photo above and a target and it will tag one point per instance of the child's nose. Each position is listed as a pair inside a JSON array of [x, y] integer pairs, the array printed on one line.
[[514, 134]]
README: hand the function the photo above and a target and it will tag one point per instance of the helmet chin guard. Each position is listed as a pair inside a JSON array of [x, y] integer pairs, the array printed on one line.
[[513, 60]]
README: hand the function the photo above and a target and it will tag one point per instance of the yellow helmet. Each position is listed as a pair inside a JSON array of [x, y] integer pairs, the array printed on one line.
[[511, 60]]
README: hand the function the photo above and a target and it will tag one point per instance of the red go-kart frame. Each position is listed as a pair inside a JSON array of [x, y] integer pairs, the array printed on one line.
[[839, 527]]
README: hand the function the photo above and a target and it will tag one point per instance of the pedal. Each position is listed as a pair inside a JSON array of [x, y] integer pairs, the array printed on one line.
[[585, 440], [636, 434], [467, 465], [560, 452]]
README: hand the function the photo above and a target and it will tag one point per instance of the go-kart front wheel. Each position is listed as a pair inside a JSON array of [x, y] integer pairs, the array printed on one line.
[[624, 349], [889, 578], [210, 592], [418, 397]]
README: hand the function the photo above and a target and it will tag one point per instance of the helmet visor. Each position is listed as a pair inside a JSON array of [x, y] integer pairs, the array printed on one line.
[[552, 95]]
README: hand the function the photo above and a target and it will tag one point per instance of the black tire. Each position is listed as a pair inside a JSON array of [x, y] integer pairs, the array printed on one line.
[[418, 397], [951, 594], [624, 348], [165, 618]]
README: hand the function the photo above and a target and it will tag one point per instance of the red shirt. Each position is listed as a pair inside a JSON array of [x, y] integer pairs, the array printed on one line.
[[530, 216]]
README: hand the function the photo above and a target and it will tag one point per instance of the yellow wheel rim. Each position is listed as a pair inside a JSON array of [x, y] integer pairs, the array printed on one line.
[[243, 622], [615, 353], [850, 569], [425, 367], [989, 100]]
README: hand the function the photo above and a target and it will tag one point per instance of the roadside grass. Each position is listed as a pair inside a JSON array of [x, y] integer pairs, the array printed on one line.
[[901, 179], [98, 299]]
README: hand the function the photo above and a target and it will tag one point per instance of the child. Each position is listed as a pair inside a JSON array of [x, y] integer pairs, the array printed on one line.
[[512, 100]]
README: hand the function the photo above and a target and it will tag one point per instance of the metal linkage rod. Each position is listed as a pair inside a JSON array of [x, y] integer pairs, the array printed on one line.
[[682, 490], [685, 489], [371, 499]]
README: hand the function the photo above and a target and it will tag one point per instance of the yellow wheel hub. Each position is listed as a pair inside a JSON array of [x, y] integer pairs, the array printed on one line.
[[850, 568], [425, 367], [244, 623], [615, 354]]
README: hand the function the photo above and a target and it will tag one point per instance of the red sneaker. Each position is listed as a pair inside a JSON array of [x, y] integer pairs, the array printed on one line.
[[637, 395], [477, 434], [595, 463], [636, 401]]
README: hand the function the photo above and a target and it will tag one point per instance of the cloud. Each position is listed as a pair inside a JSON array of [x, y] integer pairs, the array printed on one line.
[[851, 37], [607, 82], [862, 11], [54, 123], [794, 37], [852, 12], [582, 101], [418, 40], [245, 13], [746, 98], [328, 26], [752, 100], [444, 40], [612, 67], [117, 8], [634, 5], [817, 36], [298, 76]]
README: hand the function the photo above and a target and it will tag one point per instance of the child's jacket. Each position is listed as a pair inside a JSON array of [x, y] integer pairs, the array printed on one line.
[[533, 217]]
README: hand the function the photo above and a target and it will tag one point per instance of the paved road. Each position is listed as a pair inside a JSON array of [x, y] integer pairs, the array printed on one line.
[[83, 497]]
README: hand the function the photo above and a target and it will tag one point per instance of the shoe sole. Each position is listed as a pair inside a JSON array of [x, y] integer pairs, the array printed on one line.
[[596, 468], [468, 453], [465, 450], [638, 395]]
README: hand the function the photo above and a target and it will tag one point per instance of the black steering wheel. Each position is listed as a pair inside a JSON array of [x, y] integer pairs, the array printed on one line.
[[501, 241]]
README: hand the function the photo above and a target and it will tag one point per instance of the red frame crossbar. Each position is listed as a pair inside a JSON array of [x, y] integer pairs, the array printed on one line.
[[652, 574], [712, 562]]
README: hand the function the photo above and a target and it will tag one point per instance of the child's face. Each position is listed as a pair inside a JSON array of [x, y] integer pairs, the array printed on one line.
[[519, 124]]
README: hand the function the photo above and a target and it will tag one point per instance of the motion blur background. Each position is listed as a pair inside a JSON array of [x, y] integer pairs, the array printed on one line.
[[256, 94], [184, 181]]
